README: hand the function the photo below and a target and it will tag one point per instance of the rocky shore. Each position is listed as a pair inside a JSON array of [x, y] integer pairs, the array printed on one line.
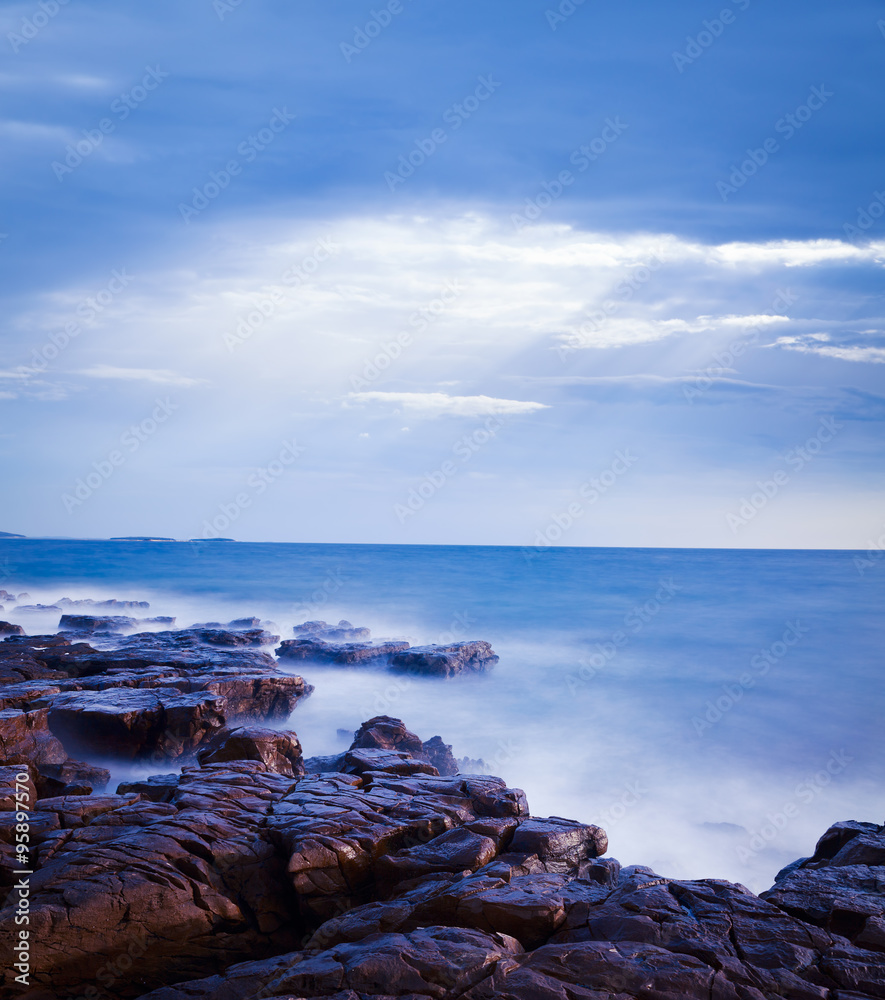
[[236, 867]]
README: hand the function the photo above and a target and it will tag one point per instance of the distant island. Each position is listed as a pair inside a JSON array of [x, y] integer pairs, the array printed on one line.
[[141, 538], [9, 534]]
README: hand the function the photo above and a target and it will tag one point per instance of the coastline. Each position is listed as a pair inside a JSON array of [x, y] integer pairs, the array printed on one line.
[[380, 871]]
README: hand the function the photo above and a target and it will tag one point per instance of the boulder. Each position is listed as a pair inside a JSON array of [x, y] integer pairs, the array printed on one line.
[[280, 752], [331, 633], [7, 628], [107, 623], [343, 653], [445, 661], [131, 723]]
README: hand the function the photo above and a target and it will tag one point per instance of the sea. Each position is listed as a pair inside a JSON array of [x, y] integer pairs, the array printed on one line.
[[714, 710]]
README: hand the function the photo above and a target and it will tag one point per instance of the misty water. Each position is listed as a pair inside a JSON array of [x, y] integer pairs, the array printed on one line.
[[714, 710]]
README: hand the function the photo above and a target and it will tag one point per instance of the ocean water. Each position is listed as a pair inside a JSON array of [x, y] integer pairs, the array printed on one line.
[[714, 710]]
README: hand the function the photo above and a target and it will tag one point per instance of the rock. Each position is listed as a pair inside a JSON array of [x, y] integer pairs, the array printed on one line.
[[338, 652], [440, 755], [431, 962], [383, 732], [109, 605], [131, 723], [29, 608], [561, 844], [7, 628], [16, 793], [280, 752], [25, 738], [156, 788], [109, 623], [445, 661], [60, 779], [330, 633], [135, 894]]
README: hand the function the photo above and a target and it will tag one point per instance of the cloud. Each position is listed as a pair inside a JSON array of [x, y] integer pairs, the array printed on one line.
[[796, 253], [161, 376], [819, 344], [438, 404], [602, 331]]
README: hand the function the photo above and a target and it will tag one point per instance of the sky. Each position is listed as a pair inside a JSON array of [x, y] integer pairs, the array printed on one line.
[[430, 271]]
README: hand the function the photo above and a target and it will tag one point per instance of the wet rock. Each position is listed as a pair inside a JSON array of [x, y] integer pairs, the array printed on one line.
[[130, 723], [431, 962], [280, 752], [61, 779], [445, 661], [182, 888], [383, 732], [25, 738], [107, 623], [440, 755], [108, 605], [331, 633], [156, 788], [321, 651], [7, 628]]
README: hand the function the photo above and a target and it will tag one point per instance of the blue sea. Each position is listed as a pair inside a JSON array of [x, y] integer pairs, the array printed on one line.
[[714, 710]]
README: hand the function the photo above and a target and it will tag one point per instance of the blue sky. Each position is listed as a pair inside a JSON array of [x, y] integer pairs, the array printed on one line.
[[423, 271]]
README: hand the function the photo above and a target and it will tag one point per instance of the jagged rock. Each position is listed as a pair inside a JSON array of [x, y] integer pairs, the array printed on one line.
[[383, 732], [25, 738], [130, 723], [440, 755], [156, 788], [432, 962], [280, 752], [183, 888], [108, 623], [7, 628], [333, 633], [338, 652], [108, 605], [445, 661], [62, 779]]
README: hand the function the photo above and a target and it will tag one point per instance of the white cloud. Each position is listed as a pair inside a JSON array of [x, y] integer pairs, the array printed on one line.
[[818, 343], [162, 376], [438, 404]]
